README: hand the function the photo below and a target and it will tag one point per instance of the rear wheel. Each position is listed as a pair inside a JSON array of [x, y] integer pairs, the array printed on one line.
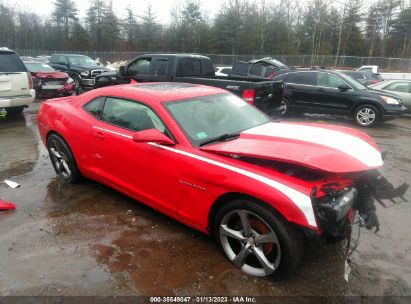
[[367, 115], [15, 110], [62, 159], [256, 240], [285, 107]]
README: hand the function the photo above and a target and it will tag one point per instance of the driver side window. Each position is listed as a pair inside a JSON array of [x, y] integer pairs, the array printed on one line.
[[140, 67], [130, 115]]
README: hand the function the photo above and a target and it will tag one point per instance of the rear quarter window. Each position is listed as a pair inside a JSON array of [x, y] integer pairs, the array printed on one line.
[[10, 62], [95, 107]]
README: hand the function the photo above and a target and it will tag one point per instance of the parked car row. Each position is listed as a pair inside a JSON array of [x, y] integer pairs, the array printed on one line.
[[259, 82], [324, 91]]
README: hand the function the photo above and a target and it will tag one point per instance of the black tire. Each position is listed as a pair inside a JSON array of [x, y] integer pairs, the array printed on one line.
[[285, 105], [77, 80], [289, 244], [15, 110], [367, 115], [62, 159]]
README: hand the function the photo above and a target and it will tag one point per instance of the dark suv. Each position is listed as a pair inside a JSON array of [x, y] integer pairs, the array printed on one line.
[[82, 69], [329, 92]]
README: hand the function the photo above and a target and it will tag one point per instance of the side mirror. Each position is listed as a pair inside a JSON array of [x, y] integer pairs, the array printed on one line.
[[152, 135], [123, 70], [343, 87], [62, 63]]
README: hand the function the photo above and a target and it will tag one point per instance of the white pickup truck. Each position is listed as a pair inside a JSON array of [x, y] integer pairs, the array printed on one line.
[[16, 86], [386, 76]]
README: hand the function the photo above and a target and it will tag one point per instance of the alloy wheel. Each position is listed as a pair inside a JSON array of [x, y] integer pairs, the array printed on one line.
[[284, 107], [59, 159], [366, 116], [250, 243]]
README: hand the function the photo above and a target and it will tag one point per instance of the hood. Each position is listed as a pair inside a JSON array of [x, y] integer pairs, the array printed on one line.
[[89, 67], [375, 92], [50, 75], [327, 148]]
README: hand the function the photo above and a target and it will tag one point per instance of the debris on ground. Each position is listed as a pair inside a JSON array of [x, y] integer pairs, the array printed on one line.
[[11, 184], [6, 205]]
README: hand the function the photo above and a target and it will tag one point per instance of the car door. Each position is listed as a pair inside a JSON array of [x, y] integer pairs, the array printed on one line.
[[140, 69], [143, 171], [299, 88], [328, 98]]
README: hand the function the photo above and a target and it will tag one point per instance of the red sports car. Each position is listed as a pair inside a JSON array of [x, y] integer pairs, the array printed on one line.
[[49, 82], [210, 160]]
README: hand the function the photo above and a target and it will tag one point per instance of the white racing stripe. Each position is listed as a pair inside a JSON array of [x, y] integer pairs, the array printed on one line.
[[348, 144], [302, 201]]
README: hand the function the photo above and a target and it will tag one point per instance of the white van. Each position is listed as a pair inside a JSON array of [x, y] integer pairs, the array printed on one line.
[[16, 86]]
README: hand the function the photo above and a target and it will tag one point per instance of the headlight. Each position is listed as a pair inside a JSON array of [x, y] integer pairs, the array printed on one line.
[[85, 73], [390, 100], [70, 80]]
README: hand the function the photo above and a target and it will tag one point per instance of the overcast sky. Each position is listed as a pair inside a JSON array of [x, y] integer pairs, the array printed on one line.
[[161, 7]]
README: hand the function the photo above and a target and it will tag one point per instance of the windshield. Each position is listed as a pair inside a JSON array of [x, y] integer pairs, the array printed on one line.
[[39, 67], [81, 60], [207, 117], [352, 82]]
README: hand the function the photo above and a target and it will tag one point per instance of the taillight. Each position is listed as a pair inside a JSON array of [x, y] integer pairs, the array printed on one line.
[[248, 96], [374, 81], [30, 81]]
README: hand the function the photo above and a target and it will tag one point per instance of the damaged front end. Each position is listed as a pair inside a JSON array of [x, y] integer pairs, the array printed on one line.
[[336, 203]]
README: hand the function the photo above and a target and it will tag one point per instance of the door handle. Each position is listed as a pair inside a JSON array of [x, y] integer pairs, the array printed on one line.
[[321, 90], [100, 135]]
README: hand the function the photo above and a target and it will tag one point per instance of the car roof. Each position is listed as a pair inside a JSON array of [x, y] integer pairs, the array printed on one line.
[[73, 55], [160, 91], [32, 61], [183, 55]]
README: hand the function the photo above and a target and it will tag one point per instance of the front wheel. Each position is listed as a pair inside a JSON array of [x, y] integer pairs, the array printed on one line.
[[367, 115], [62, 159], [78, 83], [256, 240]]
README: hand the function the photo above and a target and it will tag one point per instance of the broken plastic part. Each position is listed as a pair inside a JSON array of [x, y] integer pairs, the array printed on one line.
[[6, 205], [11, 184]]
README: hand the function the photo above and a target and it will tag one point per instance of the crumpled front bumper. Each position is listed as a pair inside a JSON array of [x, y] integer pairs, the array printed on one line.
[[335, 212]]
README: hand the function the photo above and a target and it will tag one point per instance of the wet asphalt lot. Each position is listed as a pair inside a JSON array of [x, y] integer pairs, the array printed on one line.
[[87, 239]]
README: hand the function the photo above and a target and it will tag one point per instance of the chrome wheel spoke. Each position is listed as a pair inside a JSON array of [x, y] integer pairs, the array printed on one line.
[[267, 265], [66, 167], [267, 238], [244, 221], [54, 151], [235, 234], [239, 260]]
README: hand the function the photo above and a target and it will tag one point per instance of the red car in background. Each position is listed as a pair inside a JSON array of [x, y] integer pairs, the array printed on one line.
[[208, 159], [48, 82]]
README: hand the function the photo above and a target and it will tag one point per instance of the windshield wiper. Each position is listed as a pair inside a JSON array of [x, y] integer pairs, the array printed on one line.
[[220, 138]]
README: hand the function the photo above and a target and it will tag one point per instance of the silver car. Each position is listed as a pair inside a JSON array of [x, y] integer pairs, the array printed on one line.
[[401, 87]]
